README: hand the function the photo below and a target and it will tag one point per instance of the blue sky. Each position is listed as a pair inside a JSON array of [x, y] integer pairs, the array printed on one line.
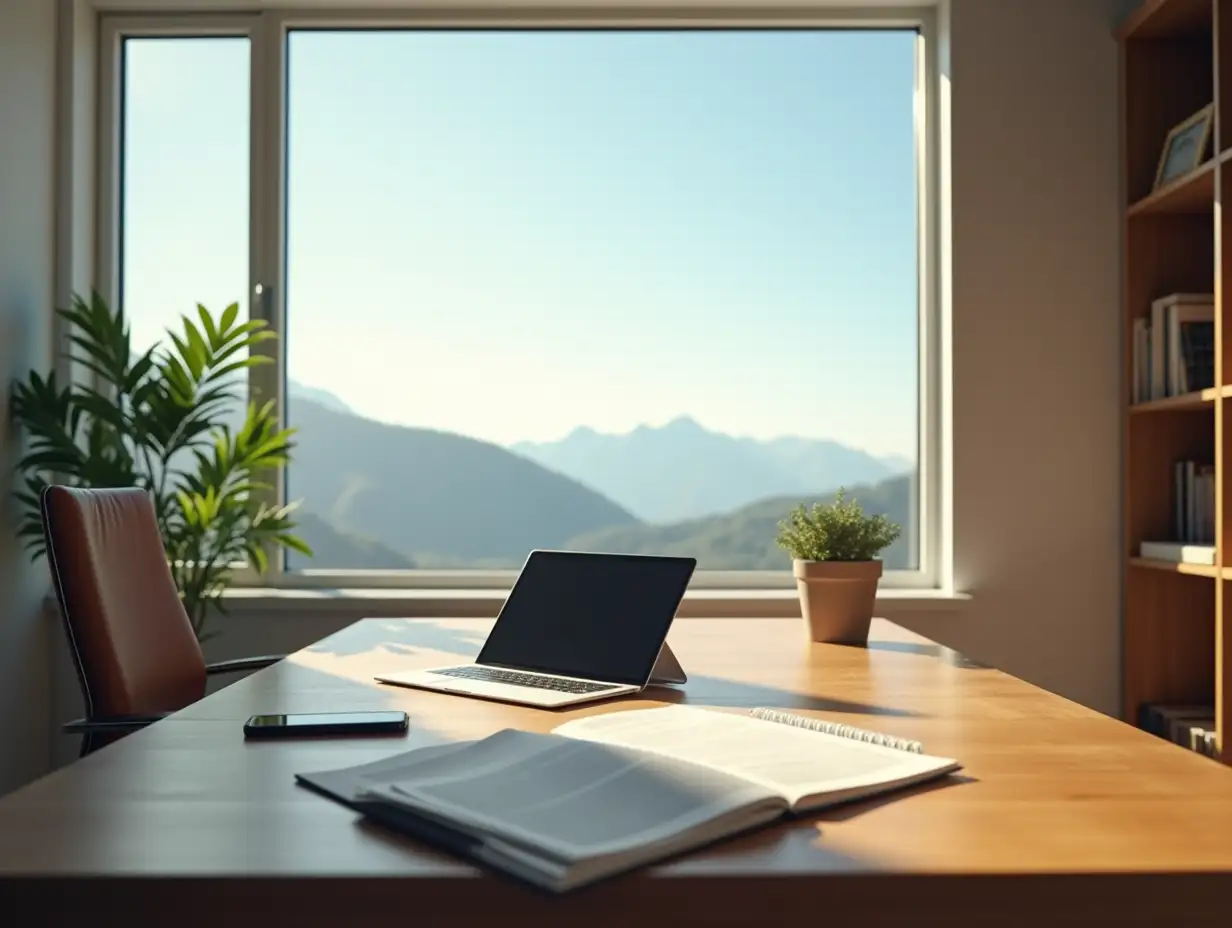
[[510, 235]]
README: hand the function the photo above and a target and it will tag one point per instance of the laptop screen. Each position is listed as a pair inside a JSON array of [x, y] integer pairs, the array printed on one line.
[[597, 616]]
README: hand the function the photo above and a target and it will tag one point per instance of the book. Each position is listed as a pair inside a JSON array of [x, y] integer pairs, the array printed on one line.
[[1196, 366], [1193, 515], [608, 793], [1196, 731], [1172, 347], [1186, 322], [1159, 350], [1174, 722], [1177, 552], [1141, 361]]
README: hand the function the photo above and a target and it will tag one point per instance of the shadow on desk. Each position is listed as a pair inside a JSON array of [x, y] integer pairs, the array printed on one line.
[[851, 810], [927, 649], [721, 691]]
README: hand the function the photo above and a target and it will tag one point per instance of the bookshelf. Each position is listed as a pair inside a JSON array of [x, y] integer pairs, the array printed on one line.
[[1176, 58]]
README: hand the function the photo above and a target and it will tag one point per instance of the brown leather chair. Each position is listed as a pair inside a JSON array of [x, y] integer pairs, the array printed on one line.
[[136, 655]]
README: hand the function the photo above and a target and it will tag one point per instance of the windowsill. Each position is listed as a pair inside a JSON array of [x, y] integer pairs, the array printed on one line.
[[442, 603]]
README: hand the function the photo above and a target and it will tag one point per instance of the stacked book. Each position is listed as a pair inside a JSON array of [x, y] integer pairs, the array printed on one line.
[[1193, 517], [1191, 727], [1174, 350], [1193, 502]]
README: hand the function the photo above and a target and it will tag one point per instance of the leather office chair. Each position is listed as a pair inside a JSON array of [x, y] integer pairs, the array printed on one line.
[[136, 655]]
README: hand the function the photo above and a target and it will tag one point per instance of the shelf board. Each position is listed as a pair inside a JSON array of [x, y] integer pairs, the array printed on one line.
[[1162, 19], [1192, 193], [1194, 570], [1199, 399]]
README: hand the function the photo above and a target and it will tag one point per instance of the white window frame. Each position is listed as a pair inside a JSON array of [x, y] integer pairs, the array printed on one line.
[[268, 33]]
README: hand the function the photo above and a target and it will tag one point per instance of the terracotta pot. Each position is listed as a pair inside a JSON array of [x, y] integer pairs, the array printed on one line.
[[837, 598]]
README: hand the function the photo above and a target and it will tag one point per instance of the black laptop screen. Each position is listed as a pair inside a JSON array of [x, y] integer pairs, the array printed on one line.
[[597, 616]]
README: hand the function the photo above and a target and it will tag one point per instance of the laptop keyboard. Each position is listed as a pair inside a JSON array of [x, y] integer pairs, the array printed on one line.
[[491, 675]]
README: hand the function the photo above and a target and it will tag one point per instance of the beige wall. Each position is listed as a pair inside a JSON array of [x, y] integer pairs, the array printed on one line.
[[1035, 354], [1036, 348]]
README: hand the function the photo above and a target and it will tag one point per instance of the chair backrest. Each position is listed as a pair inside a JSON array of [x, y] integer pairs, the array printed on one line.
[[128, 633]]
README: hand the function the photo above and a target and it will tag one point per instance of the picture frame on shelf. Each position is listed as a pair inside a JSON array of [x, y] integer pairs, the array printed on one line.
[[1185, 147]]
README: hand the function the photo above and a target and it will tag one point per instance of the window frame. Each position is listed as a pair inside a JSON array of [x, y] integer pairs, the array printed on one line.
[[269, 32]]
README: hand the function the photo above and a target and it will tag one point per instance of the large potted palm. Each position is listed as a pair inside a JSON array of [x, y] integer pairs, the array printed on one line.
[[174, 421]]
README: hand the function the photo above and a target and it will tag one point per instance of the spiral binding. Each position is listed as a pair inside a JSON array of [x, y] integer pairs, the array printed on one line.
[[842, 731]]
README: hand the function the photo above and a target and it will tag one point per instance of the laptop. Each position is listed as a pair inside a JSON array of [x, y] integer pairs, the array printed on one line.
[[575, 628]]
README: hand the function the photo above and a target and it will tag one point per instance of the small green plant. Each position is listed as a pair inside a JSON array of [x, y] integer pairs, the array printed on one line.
[[171, 420], [839, 531]]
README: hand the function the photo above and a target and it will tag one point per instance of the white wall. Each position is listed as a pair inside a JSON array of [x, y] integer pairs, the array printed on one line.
[[1036, 351], [27, 240]]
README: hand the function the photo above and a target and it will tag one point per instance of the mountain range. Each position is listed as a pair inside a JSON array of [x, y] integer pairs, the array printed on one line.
[[334, 549], [388, 497], [684, 471], [744, 539], [437, 498]]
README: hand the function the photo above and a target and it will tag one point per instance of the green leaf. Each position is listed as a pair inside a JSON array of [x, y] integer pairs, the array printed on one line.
[[838, 531], [199, 354], [256, 554], [207, 323], [295, 544], [139, 371], [228, 317]]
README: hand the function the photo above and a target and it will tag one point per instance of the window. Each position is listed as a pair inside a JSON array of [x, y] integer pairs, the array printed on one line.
[[184, 189], [617, 289]]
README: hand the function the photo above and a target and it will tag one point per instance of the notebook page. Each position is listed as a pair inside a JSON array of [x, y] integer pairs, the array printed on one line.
[[797, 763]]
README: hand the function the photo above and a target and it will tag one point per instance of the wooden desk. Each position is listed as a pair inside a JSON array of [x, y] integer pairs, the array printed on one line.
[[1064, 817]]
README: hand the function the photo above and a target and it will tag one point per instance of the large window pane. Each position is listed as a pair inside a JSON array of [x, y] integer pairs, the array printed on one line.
[[629, 291], [184, 217], [185, 168]]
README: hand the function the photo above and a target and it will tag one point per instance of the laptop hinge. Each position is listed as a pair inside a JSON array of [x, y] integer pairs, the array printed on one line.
[[667, 670]]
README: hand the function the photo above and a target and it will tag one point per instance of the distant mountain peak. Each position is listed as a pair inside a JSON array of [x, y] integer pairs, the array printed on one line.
[[682, 470], [683, 423], [318, 396]]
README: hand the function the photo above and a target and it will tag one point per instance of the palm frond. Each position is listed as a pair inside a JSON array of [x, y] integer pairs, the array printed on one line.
[[159, 420]]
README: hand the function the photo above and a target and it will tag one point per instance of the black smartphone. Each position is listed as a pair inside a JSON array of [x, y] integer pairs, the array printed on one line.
[[310, 724]]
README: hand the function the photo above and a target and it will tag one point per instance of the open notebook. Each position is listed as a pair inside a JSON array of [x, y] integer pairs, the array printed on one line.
[[607, 793]]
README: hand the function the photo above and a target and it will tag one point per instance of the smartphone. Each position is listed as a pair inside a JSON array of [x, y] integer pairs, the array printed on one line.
[[310, 724]]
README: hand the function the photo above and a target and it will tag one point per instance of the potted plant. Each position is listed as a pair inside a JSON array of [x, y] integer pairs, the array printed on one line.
[[834, 549], [174, 422]]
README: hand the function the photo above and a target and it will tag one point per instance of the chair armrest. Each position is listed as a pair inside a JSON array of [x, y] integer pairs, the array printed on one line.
[[118, 724], [241, 664]]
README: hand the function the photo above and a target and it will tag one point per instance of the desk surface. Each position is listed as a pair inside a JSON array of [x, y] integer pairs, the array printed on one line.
[[1059, 809]]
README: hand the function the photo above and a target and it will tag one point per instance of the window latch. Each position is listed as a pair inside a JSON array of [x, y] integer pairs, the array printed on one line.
[[261, 304]]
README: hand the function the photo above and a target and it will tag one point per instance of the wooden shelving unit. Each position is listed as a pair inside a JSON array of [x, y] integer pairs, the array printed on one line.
[[1176, 57]]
